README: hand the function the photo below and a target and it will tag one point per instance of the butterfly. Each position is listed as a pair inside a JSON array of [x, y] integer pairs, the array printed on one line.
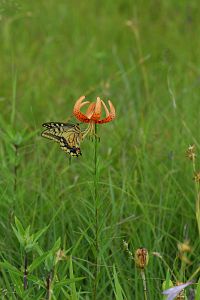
[[67, 135]]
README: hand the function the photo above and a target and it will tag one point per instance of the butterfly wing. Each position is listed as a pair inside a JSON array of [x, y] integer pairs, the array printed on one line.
[[57, 128], [73, 136], [49, 135], [71, 132], [58, 125], [73, 151], [68, 135]]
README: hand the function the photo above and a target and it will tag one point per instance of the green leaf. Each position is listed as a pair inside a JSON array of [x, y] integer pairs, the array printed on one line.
[[67, 281], [50, 262], [7, 266], [40, 295], [15, 275], [38, 249], [197, 297], [118, 288], [27, 233], [37, 262], [19, 237], [38, 234], [56, 246], [72, 284], [17, 282], [19, 227], [36, 281], [29, 247], [167, 283]]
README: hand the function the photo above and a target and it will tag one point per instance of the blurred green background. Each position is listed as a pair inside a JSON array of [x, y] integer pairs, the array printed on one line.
[[144, 57]]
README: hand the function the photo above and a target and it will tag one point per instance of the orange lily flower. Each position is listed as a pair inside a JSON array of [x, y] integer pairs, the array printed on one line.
[[93, 113]]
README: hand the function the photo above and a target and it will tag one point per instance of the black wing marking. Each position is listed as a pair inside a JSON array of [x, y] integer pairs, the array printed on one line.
[[51, 125]]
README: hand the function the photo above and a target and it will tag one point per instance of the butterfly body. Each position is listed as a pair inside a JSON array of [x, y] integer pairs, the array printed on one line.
[[67, 135]]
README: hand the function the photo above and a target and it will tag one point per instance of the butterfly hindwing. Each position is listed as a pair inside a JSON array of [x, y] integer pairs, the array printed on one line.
[[73, 151], [73, 136]]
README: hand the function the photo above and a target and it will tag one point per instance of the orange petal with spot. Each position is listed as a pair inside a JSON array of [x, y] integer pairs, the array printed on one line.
[[76, 111], [97, 110], [79, 103]]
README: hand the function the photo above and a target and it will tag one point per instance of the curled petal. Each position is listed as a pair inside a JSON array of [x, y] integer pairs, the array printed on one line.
[[105, 108], [76, 111], [97, 111], [84, 103], [112, 110], [111, 115], [90, 110]]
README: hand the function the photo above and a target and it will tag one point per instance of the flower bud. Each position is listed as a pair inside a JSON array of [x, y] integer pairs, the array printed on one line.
[[184, 247], [141, 258]]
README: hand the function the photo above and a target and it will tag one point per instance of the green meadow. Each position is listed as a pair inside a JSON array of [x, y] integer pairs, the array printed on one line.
[[63, 221]]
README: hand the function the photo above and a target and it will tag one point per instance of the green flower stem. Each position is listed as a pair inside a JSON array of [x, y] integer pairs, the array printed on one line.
[[144, 284], [96, 208], [197, 198], [48, 286], [15, 167], [25, 271]]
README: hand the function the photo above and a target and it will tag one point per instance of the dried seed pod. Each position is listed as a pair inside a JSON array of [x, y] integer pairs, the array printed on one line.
[[197, 177], [191, 152], [141, 258]]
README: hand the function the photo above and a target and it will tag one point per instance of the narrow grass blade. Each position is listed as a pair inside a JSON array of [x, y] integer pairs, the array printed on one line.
[[118, 288]]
